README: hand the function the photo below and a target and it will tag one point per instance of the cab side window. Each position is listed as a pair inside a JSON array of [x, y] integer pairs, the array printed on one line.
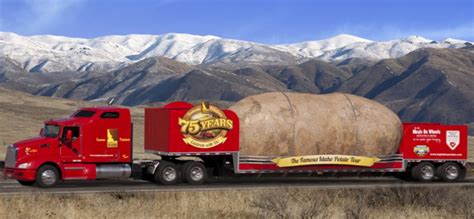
[[75, 132], [110, 115]]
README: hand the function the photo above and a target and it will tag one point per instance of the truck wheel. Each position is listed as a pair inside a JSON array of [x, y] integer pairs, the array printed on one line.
[[423, 172], [449, 172], [47, 176], [26, 183], [194, 172], [167, 173]]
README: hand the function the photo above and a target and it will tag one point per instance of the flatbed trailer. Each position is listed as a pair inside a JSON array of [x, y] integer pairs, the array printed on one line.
[[201, 141]]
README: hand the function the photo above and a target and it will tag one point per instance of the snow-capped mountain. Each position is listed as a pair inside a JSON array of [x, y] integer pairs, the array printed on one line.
[[345, 46], [47, 53]]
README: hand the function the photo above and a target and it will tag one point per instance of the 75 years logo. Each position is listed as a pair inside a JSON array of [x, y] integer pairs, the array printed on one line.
[[205, 126]]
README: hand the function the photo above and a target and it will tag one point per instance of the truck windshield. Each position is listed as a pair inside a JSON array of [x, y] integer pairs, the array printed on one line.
[[51, 130]]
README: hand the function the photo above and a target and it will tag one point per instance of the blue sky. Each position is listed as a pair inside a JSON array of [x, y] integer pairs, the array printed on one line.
[[265, 21]]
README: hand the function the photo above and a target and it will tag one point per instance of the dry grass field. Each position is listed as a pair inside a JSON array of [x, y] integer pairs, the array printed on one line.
[[274, 203]]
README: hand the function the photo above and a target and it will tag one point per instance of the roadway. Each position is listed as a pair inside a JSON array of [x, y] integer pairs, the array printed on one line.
[[109, 186]]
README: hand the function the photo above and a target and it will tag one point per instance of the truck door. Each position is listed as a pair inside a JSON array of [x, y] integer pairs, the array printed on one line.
[[71, 150], [107, 131]]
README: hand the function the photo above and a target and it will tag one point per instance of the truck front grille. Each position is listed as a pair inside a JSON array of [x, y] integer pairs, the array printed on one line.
[[10, 159]]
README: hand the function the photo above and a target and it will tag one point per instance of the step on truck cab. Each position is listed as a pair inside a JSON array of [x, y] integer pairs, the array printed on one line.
[[199, 141]]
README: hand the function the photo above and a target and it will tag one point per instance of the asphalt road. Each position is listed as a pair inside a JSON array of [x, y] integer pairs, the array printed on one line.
[[109, 186]]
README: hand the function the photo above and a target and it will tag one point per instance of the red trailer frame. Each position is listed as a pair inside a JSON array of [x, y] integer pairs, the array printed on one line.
[[164, 138]]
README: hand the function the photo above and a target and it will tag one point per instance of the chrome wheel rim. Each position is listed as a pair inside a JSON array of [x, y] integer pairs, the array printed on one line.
[[197, 173], [427, 172], [169, 174], [452, 172], [48, 177]]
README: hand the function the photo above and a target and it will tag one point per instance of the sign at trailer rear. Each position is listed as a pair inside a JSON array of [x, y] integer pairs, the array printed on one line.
[[434, 142]]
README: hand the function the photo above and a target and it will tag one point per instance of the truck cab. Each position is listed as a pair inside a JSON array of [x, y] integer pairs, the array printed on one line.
[[73, 148]]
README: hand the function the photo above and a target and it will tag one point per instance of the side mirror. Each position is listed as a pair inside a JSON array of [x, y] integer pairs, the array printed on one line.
[[41, 131], [69, 135]]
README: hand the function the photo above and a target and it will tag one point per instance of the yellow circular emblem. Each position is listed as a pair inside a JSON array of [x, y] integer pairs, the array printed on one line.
[[205, 126]]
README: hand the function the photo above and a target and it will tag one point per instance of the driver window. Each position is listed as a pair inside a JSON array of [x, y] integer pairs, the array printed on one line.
[[75, 132]]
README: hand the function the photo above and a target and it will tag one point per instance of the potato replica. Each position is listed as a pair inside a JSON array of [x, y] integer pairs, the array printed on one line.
[[293, 124]]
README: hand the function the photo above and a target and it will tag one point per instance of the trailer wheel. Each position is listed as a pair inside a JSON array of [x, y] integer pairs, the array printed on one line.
[[26, 183], [450, 172], [423, 172], [47, 176], [194, 172], [167, 173]]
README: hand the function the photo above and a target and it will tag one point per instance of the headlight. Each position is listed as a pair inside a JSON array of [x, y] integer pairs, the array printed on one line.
[[24, 165]]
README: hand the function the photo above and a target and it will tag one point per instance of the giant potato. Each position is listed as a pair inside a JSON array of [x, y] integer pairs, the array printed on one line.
[[293, 124]]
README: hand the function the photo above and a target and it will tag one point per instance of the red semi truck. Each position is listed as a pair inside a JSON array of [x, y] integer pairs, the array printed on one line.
[[196, 142]]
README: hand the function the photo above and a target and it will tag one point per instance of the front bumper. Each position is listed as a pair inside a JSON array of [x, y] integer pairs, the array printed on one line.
[[19, 174]]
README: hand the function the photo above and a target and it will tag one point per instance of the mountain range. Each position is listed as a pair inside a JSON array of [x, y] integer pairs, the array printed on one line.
[[419, 79], [47, 53]]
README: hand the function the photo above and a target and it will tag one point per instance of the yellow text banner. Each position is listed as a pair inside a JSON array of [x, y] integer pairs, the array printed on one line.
[[349, 160]]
